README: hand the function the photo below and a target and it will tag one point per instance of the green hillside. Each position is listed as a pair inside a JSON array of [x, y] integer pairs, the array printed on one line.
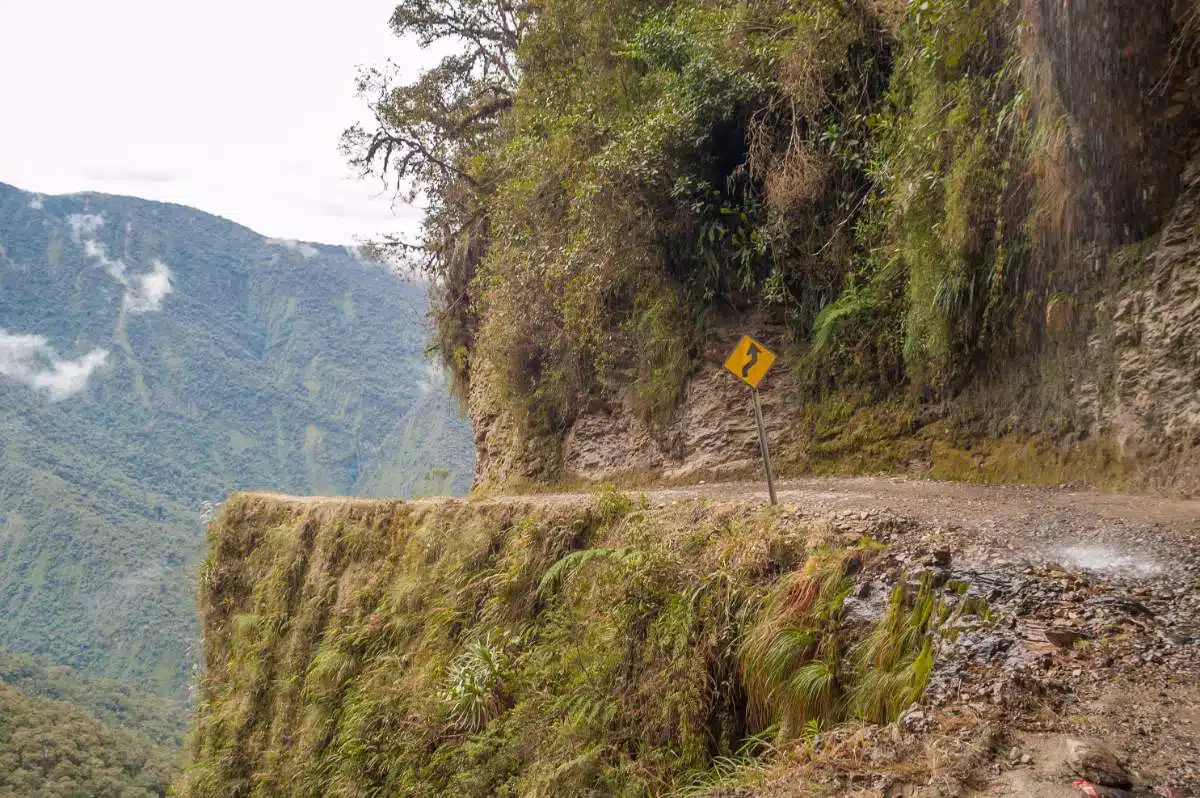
[[154, 358], [52, 748], [162, 721]]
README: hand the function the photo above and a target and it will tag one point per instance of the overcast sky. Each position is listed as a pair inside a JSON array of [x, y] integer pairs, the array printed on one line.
[[231, 106]]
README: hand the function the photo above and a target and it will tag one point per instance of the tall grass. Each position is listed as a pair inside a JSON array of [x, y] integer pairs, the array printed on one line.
[[485, 649]]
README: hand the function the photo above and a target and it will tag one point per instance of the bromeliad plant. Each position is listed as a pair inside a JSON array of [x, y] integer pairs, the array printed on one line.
[[476, 683]]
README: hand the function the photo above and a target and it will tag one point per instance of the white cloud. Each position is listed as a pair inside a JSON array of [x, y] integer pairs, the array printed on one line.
[[84, 224], [31, 361], [364, 254], [306, 250], [36, 202], [144, 293], [435, 377]]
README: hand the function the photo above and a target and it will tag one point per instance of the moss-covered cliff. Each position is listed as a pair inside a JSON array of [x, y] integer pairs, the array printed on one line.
[[931, 208], [582, 647]]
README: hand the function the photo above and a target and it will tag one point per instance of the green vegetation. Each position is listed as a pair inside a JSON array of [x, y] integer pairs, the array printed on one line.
[[913, 194], [162, 720], [268, 366], [57, 750], [488, 649]]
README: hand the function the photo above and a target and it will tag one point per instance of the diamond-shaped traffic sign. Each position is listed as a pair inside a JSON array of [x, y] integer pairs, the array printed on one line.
[[750, 361]]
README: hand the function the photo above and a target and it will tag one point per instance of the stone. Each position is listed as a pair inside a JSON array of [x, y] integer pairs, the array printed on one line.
[[938, 558], [1096, 762], [1064, 637]]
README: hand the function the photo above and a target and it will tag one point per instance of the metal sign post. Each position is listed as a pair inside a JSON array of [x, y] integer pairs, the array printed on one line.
[[750, 362], [766, 449]]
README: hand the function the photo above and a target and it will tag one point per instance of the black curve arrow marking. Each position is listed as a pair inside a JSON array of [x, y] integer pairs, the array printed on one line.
[[753, 352]]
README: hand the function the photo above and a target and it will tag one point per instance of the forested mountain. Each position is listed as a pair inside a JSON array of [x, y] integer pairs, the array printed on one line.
[[53, 748], [161, 721], [154, 358], [61, 734]]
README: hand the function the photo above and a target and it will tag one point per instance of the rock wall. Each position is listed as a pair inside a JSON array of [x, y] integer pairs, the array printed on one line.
[[1154, 413], [505, 450], [713, 431], [1114, 93], [1141, 387]]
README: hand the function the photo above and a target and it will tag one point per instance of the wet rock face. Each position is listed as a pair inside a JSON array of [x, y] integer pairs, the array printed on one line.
[[1117, 70]]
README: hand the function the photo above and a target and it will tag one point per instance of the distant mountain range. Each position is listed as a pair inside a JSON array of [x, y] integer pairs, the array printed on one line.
[[154, 358]]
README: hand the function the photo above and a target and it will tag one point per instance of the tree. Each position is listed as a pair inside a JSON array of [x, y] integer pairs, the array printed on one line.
[[425, 134]]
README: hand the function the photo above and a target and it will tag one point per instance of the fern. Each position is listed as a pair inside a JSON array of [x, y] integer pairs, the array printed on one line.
[[851, 305], [563, 570]]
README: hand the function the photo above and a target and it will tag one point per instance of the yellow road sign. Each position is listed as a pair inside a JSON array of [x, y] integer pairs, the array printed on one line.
[[750, 361]]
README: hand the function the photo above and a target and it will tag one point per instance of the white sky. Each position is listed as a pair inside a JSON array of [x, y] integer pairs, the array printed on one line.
[[231, 106]]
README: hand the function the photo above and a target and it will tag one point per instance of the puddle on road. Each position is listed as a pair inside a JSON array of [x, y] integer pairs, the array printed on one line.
[[1107, 560]]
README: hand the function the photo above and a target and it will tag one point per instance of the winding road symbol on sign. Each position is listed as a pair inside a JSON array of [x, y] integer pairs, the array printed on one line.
[[754, 350]]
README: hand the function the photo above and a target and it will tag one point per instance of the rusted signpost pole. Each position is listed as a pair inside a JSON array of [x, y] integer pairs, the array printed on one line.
[[766, 449]]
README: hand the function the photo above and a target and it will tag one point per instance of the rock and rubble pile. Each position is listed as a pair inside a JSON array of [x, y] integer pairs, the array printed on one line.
[[1096, 646]]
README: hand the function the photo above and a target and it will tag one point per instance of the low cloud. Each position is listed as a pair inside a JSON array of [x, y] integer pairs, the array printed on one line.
[[144, 293], [37, 203], [84, 224], [31, 361], [306, 250], [435, 377]]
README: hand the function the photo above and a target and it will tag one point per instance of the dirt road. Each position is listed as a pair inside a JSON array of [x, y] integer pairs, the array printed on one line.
[[1116, 534]]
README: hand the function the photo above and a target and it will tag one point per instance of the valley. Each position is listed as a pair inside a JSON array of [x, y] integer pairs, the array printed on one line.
[[154, 358]]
